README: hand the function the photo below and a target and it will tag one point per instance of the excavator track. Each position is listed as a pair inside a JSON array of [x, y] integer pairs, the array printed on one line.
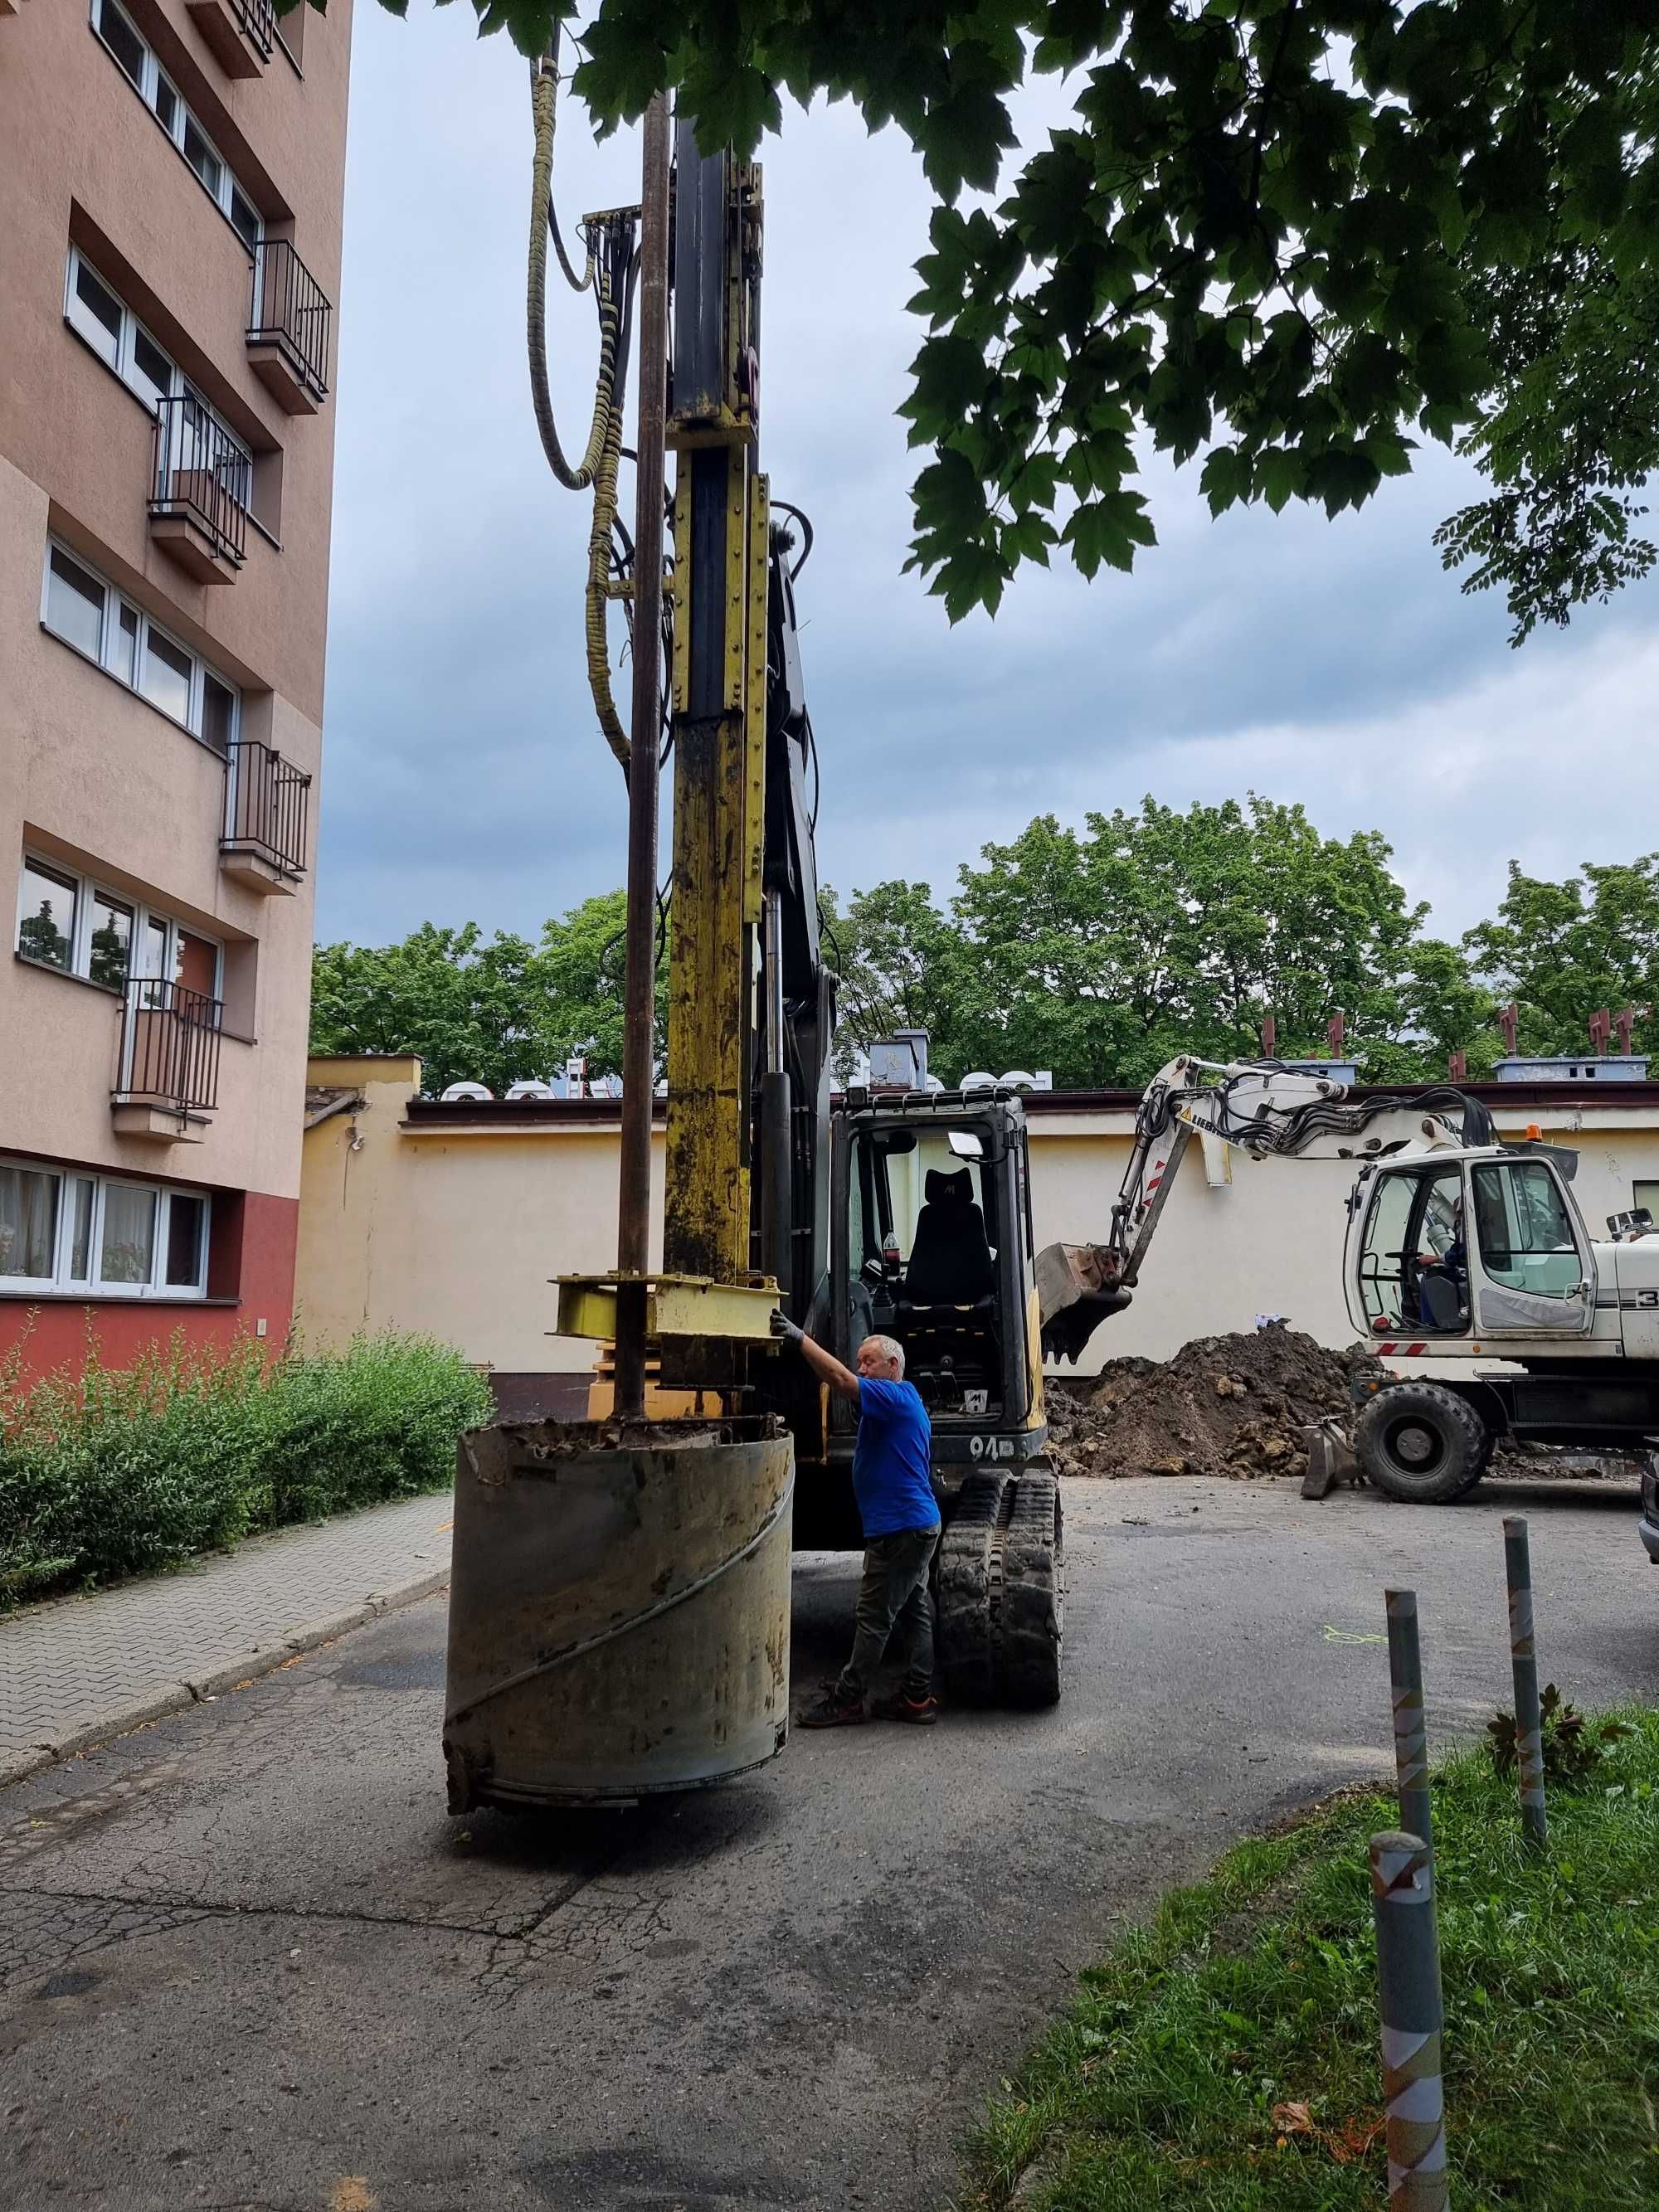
[[1000, 1590]]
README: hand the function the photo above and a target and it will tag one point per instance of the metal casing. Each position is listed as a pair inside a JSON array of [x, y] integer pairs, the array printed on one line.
[[619, 1609]]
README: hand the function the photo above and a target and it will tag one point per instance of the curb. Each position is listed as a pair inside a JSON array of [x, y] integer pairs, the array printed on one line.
[[178, 1696]]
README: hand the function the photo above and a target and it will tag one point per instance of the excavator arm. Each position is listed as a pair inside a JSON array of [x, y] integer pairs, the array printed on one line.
[[1259, 1107]]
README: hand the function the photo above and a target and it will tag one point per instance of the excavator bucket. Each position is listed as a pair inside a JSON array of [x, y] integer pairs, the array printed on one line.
[[1077, 1289]]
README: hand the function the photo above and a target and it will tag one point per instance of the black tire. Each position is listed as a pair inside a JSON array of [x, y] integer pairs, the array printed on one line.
[[1027, 1650], [1422, 1442]]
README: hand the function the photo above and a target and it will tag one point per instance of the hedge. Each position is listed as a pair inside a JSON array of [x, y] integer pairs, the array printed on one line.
[[106, 1472]]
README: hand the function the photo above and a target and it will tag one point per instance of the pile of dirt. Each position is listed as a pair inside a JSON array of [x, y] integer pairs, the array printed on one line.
[[1234, 1406]]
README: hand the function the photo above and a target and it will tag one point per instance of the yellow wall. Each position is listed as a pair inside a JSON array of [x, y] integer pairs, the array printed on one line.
[[457, 1230]]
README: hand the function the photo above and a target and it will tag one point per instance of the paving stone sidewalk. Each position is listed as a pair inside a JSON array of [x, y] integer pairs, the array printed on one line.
[[82, 1669]]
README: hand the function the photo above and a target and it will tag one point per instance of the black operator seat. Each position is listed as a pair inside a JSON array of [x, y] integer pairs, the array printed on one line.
[[951, 1262]]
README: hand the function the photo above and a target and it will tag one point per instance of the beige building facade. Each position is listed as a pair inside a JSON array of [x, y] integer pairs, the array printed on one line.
[[170, 269], [451, 1218]]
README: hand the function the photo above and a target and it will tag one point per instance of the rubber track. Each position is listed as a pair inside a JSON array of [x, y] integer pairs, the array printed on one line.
[[1028, 1645], [968, 1614]]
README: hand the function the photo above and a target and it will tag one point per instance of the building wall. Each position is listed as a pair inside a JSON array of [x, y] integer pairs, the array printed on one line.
[[456, 1229], [91, 775]]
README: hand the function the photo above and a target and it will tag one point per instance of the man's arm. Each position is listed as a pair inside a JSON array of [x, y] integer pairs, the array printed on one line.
[[824, 1364]]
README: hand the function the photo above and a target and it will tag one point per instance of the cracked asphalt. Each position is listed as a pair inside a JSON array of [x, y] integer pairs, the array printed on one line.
[[246, 1960]]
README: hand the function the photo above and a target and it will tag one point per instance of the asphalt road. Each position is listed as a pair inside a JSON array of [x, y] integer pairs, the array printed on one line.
[[246, 1960]]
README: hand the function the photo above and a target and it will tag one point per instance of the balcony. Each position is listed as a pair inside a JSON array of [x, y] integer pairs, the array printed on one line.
[[168, 1079], [267, 820], [288, 324], [201, 481], [242, 34]]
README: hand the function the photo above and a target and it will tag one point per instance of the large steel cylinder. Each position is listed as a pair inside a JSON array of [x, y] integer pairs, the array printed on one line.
[[618, 1609]]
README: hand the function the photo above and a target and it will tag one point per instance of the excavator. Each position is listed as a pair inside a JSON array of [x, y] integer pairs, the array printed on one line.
[[1459, 1249]]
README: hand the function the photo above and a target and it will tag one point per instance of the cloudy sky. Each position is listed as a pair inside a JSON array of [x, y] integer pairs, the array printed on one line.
[[465, 778]]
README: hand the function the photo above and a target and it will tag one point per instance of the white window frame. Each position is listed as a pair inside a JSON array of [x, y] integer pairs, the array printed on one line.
[[109, 646], [90, 888], [90, 1285], [153, 76]]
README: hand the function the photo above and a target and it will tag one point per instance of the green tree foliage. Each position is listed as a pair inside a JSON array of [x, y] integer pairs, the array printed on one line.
[[1562, 951], [495, 1011], [1270, 233], [1101, 953]]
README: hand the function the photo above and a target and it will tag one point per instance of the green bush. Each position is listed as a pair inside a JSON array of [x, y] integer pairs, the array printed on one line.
[[106, 1471]]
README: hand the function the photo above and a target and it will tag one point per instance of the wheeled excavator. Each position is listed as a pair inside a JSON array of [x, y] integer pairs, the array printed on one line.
[[1461, 1251]]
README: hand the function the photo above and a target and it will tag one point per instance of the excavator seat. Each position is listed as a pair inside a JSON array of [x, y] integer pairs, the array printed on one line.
[[951, 1262]]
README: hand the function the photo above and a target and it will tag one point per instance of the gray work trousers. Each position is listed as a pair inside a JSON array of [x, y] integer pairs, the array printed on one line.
[[894, 1599]]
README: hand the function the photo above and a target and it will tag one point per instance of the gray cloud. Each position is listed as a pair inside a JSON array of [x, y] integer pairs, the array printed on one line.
[[465, 776]]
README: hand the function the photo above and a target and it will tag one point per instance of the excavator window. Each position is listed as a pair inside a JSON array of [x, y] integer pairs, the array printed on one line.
[[922, 1253], [1414, 1263], [1527, 1241]]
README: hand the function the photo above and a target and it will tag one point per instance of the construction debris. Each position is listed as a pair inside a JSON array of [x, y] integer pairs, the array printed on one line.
[[1237, 1406]]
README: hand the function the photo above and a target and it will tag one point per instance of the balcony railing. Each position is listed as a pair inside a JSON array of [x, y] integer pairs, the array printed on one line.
[[258, 21], [169, 1047], [289, 315], [201, 476], [267, 808]]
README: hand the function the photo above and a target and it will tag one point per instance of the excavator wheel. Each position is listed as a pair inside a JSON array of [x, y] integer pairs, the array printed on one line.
[[967, 1588], [1421, 1443], [999, 1592]]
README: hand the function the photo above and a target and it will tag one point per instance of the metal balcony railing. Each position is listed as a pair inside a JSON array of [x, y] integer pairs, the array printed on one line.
[[290, 308], [199, 472], [267, 807], [169, 1047], [258, 22]]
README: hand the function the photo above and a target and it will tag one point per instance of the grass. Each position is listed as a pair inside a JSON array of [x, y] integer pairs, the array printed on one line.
[[1225, 2058]]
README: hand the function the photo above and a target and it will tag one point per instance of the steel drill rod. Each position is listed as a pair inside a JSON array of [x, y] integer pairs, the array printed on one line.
[[1408, 1991], [1523, 1657], [1410, 1743], [639, 1033]]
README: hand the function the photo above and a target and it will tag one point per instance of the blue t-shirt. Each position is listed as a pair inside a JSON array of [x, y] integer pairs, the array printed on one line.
[[892, 1474]]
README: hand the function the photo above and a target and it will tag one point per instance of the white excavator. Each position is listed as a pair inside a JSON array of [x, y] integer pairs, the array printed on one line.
[[1460, 1249]]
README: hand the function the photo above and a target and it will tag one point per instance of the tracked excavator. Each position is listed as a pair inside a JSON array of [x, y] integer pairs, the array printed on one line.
[[1461, 1251]]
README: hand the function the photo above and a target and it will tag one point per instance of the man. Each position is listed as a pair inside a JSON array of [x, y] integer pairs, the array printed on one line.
[[892, 1480]]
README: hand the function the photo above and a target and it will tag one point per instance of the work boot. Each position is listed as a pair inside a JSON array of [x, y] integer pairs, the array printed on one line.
[[832, 1710], [900, 1706]]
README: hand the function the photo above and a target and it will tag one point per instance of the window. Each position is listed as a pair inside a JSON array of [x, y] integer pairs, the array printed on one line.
[[46, 916], [28, 1223], [75, 603], [149, 371], [97, 1234], [161, 96], [1527, 1241], [69, 922], [76, 606]]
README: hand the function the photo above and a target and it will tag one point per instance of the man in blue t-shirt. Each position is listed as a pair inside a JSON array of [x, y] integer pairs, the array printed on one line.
[[893, 1482]]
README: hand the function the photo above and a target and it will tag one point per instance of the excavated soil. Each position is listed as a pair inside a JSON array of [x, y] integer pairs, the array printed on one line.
[[1241, 1406]]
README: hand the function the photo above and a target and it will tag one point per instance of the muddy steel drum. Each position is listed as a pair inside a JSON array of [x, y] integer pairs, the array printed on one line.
[[618, 1609]]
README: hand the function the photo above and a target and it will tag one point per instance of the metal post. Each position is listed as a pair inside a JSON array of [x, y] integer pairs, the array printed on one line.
[[1408, 1991], [639, 1035], [1410, 1742], [1523, 1654]]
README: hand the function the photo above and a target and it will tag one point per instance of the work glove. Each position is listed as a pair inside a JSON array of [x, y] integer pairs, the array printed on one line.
[[784, 1329]]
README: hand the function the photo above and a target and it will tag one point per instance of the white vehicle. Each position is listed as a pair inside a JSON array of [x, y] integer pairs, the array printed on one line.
[[1459, 1248]]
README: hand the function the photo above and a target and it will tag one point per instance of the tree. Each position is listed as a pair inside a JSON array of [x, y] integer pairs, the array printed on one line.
[[498, 1012], [895, 958], [1563, 951], [1101, 953], [1272, 232]]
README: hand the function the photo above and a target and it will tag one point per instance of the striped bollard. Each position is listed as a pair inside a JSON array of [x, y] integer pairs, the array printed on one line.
[[1524, 1654], [1408, 1987], [1410, 1741]]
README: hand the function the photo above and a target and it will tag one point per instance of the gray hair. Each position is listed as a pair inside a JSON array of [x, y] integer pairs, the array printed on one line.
[[890, 1348]]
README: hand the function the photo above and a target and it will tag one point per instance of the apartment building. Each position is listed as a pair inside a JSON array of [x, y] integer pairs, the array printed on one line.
[[170, 269]]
